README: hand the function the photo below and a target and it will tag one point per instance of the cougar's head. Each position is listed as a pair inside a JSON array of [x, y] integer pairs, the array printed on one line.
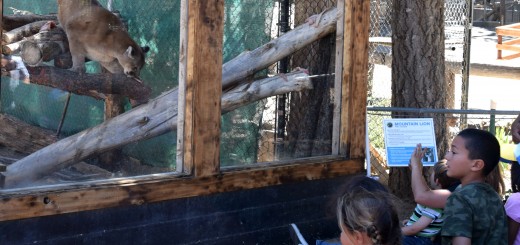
[[133, 60]]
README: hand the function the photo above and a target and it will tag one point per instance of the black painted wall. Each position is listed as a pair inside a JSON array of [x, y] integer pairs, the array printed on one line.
[[258, 216]]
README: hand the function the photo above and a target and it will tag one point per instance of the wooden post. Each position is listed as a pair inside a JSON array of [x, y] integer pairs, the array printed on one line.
[[354, 88], [114, 106], [203, 87], [338, 82]]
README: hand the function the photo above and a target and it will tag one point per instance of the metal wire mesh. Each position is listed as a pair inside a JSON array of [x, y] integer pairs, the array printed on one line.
[[42, 106], [287, 126], [380, 51]]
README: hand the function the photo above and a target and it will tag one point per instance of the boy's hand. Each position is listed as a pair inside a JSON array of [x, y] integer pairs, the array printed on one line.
[[417, 155]]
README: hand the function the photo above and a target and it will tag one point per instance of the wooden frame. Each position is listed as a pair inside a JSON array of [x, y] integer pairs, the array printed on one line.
[[201, 131], [512, 30]]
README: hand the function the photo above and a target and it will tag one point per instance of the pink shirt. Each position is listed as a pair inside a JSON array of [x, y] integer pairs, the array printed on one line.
[[513, 211]]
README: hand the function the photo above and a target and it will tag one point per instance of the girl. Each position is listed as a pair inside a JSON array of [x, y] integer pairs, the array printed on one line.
[[367, 217]]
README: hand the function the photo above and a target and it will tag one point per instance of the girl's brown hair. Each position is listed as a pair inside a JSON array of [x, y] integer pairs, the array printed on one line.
[[371, 212]]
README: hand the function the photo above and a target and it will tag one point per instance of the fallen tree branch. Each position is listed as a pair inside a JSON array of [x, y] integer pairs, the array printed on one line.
[[146, 121], [248, 63], [22, 137], [84, 84], [10, 22]]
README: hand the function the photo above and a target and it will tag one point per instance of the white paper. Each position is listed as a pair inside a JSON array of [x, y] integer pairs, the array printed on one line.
[[403, 135]]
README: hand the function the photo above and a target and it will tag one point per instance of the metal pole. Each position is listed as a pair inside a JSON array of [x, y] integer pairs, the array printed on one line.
[[466, 62], [502, 12], [283, 67]]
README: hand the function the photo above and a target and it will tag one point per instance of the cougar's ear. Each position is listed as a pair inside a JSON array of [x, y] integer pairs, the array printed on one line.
[[129, 53], [145, 49]]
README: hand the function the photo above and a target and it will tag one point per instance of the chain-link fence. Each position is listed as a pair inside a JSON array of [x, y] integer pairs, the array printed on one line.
[[152, 23], [456, 24], [497, 122], [292, 125]]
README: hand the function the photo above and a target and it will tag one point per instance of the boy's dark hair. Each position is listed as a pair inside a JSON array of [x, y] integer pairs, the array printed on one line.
[[440, 172], [482, 145]]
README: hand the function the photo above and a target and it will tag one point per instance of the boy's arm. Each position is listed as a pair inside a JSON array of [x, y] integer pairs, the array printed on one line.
[[421, 192], [416, 227], [460, 240]]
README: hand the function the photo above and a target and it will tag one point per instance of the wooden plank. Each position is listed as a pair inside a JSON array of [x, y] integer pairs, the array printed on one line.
[[203, 85], [508, 47], [355, 68], [336, 120], [508, 32], [34, 202], [510, 57], [181, 166], [512, 42]]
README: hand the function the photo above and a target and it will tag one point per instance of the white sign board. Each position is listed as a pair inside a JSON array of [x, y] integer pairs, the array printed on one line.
[[403, 135]]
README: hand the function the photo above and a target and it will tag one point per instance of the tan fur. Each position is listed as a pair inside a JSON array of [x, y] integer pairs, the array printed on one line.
[[95, 33]]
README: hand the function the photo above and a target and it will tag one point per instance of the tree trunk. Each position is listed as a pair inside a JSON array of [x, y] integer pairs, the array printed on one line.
[[418, 74], [309, 129]]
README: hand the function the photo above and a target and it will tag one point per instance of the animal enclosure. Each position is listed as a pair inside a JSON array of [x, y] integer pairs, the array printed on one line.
[[211, 130]]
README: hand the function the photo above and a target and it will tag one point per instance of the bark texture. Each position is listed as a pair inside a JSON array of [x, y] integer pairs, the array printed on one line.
[[418, 74]]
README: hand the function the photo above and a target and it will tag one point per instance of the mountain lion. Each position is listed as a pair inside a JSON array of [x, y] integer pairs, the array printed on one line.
[[96, 33]]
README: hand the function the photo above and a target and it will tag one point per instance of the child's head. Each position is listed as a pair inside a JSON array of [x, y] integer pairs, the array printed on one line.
[[473, 150], [439, 178], [368, 216]]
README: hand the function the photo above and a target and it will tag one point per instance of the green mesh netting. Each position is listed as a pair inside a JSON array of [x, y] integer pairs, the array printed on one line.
[[154, 23]]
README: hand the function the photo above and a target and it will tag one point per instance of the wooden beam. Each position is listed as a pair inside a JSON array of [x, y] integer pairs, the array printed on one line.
[[338, 78], [181, 166], [203, 84], [83, 84], [34, 202], [354, 88]]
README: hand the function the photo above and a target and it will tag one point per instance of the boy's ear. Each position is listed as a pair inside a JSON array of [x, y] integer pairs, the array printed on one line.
[[478, 165]]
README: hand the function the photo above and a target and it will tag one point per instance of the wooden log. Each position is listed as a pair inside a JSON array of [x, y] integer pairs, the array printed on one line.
[[22, 137], [19, 33], [34, 53], [54, 35], [12, 47], [10, 22], [63, 61], [83, 84], [248, 63], [146, 121]]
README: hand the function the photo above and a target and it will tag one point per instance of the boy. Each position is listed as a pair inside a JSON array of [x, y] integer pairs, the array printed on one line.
[[474, 213]]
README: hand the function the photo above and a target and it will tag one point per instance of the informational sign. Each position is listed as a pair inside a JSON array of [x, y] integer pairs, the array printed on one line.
[[403, 135]]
